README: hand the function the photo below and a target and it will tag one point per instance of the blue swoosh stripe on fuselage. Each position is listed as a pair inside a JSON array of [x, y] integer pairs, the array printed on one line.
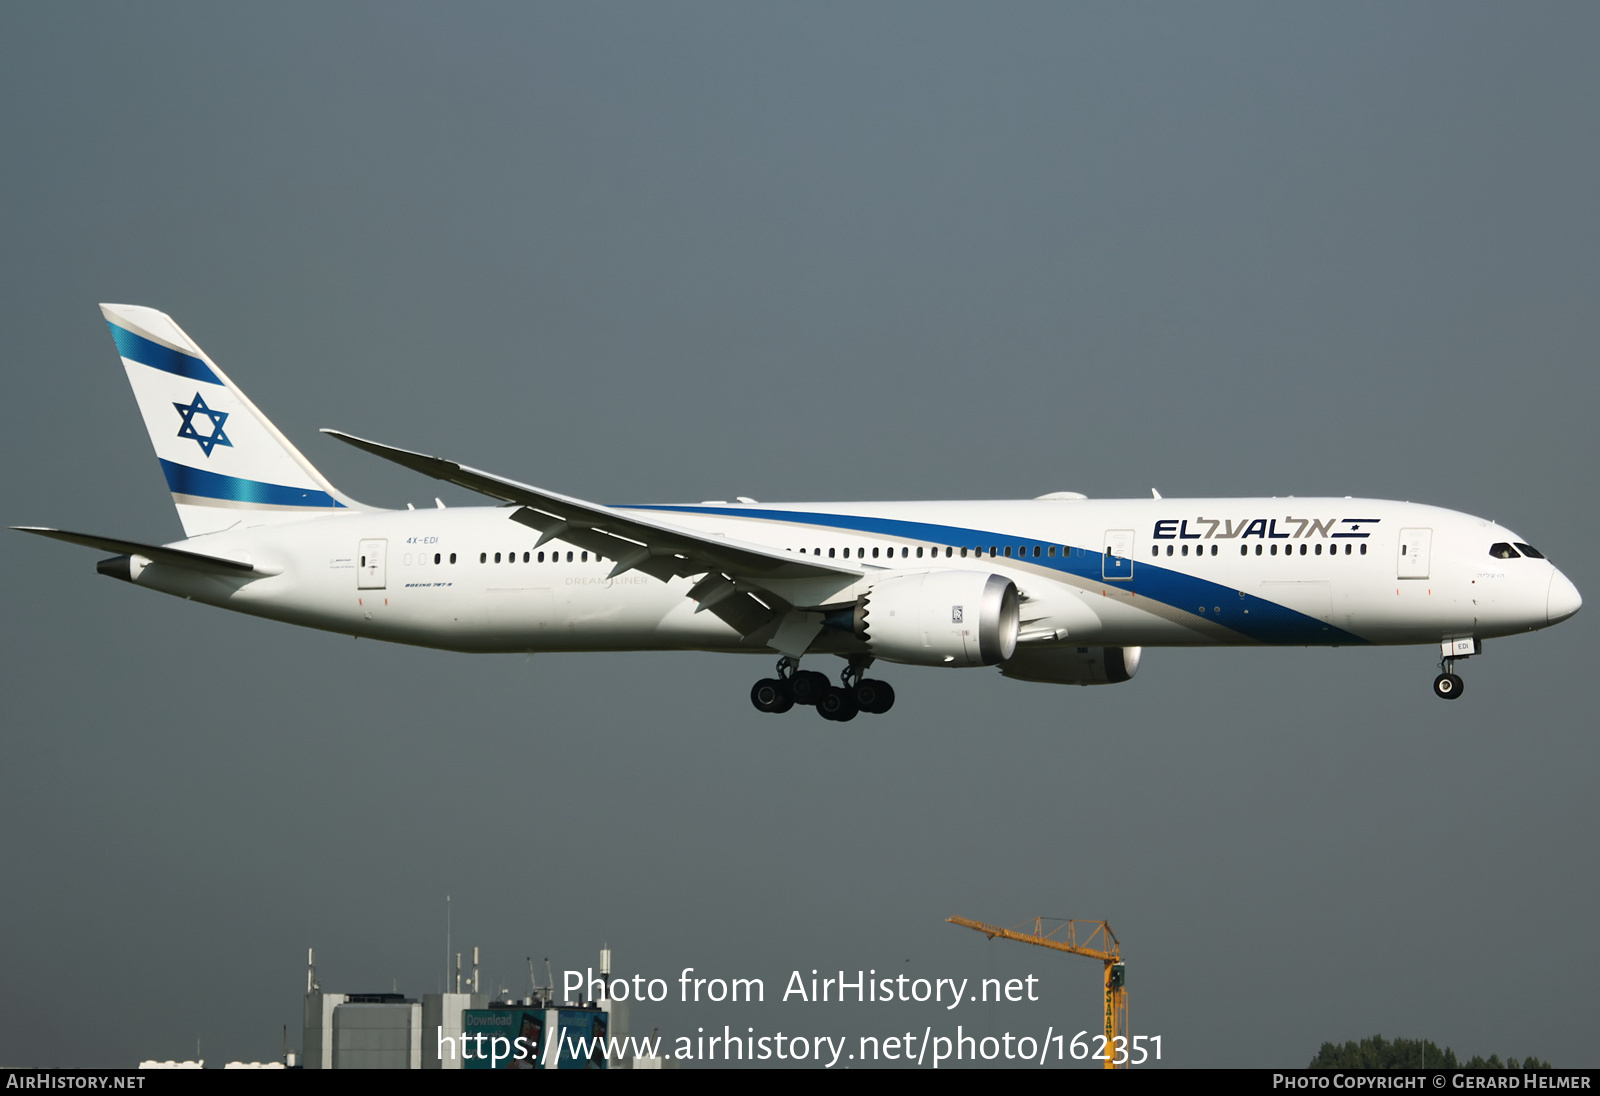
[[1251, 616], [140, 349], [183, 480]]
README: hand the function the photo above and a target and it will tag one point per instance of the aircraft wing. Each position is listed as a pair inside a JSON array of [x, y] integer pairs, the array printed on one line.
[[732, 569]]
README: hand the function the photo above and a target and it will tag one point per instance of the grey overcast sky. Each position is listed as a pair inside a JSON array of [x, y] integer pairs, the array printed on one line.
[[803, 251]]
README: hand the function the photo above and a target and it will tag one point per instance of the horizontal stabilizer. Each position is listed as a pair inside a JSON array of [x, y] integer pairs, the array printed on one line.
[[177, 557]]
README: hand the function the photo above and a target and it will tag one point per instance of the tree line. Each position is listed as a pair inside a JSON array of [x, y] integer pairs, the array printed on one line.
[[1380, 1053]]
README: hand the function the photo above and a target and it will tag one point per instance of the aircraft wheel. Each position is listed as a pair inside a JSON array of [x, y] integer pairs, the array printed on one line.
[[837, 705], [771, 695], [1447, 686], [874, 696], [806, 686]]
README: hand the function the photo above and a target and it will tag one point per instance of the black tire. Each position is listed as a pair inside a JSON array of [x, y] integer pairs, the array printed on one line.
[[873, 696], [768, 693], [807, 685], [1448, 687], [837, 705]]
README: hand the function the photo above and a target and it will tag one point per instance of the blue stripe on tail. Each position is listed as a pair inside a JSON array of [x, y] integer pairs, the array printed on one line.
[[139, 349], [183, 480]]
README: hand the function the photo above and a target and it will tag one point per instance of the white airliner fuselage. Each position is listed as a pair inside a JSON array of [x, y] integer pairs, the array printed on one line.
[[1062, 589], [375, 575]]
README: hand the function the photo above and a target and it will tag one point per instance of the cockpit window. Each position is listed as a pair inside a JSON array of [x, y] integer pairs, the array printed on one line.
[[1502, 550], [1530, 551]]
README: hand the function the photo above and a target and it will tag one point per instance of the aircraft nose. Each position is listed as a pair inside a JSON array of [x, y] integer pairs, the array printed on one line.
[[1564, 598]]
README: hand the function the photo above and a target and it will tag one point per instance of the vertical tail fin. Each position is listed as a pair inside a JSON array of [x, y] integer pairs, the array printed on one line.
[[225, 463]]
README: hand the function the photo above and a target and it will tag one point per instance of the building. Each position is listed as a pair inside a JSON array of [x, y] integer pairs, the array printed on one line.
[[392, 1031]]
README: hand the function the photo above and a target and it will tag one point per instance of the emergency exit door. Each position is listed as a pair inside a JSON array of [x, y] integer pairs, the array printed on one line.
[[1415, 547], [369, 566], [1116, 565]]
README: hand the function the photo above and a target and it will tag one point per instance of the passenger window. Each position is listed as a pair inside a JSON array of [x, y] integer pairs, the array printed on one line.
[[483, 557], [904, 552], [1185, 549], [436, 557], [1274, 549], [1363, 549], [1258, 549], [452, 557], [948, 551], [919, 553], [569, 557], [1302, 549], [963, 553], [1244, 549], [1008, 551], [1035, 551], [1213, 549], [1319, 549], [830, 553], [1530, 551], [1155, 550], [994, 550], [1169, 549], [874, 553], [1052, 552], [585, 557], [541, 557]]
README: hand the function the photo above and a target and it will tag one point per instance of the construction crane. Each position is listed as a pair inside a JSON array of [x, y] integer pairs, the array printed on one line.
[[1100, 943]]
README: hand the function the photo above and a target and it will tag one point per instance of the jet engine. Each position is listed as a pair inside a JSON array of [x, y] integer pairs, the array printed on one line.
[[1074, 665], [942, 618]]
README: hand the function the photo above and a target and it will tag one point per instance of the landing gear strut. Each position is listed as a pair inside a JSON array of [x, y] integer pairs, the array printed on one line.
[[1447, 686], [839, 703]]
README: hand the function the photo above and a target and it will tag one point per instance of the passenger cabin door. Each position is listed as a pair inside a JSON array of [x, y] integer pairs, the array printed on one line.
[[1415, 548], [369, 566], [1116, 565]]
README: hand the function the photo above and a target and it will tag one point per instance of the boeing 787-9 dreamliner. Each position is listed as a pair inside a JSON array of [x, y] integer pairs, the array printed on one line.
[[1060, 589]]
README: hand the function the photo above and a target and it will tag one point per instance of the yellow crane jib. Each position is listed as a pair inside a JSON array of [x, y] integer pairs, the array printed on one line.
[[1097, 941]]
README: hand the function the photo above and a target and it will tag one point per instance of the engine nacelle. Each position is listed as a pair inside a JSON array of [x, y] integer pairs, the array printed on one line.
[[942, 618], [1074, 665]]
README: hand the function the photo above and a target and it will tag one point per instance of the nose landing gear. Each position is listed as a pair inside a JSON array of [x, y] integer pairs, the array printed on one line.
[[839, 704], [1448, 686]]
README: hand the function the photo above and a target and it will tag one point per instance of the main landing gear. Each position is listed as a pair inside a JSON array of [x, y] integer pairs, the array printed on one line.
[[840, 703]]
